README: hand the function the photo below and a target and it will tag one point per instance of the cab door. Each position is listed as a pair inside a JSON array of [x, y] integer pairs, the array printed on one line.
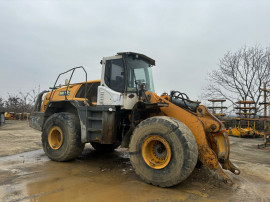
[[112, 87]]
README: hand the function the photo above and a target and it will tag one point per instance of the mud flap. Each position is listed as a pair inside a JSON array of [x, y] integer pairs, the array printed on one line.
[[36, 120]]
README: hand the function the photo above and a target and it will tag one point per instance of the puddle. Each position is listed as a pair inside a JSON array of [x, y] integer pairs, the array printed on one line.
[[105, 177]]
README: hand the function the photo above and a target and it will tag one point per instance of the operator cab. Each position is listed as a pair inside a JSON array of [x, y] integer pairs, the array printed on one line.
[[121, 77]]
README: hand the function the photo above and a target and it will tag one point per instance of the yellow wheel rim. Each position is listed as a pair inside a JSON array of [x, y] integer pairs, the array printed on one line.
[[156, 152], [55, 137]]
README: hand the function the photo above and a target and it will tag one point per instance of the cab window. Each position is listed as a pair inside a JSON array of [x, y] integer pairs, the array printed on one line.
[[114, 75], [139, 71]]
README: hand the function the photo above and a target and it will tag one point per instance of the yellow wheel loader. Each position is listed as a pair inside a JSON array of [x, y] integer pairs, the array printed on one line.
[[166, 135]]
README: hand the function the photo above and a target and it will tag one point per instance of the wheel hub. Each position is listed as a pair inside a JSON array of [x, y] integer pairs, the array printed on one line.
[[160, 150], [156, 152], [55, 137]]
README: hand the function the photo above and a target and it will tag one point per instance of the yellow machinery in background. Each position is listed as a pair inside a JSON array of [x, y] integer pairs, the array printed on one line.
[[6, 115], [246, 122], [9, 115], [16, 116]]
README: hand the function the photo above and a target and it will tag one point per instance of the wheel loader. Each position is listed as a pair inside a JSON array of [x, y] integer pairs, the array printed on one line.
[[165, 135]]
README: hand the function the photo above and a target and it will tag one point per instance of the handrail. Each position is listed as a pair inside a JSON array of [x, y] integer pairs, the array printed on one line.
[[72, 69]]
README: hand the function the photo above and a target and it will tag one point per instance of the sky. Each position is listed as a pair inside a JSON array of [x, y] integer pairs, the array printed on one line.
[[40, 39]]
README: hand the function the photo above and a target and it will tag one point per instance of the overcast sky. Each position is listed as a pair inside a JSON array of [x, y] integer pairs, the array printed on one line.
[[40, 39]]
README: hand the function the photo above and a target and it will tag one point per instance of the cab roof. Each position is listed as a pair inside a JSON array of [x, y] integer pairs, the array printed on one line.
[[151, 61]]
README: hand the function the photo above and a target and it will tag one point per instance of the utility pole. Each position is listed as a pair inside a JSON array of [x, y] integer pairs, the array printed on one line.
[[265, 103], [265, 117]]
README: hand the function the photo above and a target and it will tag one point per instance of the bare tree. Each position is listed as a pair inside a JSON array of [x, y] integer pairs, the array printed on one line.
[[13, 103], [240, 75], [32, 95], [21, 102]]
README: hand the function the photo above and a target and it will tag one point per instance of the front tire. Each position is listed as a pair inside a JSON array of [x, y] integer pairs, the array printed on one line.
[[163, 151], [61, 137]]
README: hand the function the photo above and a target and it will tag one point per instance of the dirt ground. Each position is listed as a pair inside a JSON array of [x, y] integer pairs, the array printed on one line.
[[26, 174], [17, 137]]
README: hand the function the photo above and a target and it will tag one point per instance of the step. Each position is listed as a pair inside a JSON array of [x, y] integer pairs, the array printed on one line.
[[94, 118], [94, 130]]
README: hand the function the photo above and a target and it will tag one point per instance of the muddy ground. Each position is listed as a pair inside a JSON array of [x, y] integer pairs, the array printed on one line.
[[31, 176]]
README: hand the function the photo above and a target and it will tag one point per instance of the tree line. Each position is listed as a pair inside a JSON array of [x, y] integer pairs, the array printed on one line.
[[20, 102]]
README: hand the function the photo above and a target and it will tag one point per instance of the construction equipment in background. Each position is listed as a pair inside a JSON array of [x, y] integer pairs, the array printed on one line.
[[25, 116], [166, 135], [266, 132], [217, 107], [6, 115], [9, 115], [17, 116], [22, 116], [245, 125]]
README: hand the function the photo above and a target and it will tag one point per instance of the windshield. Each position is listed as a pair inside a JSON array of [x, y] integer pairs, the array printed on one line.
[[139, 71]]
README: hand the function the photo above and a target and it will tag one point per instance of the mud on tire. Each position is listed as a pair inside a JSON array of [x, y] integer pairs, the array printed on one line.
[[182, 149], [64, 143]]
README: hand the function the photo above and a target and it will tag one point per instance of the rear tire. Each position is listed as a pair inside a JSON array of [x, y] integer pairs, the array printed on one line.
[[103, 147], [163, 151], [61, 137]]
